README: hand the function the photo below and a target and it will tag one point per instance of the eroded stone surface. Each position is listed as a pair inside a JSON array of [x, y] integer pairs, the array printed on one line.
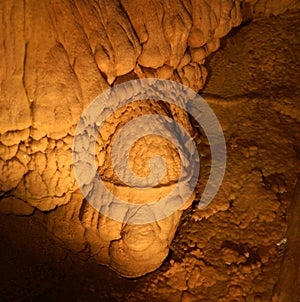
[[56, 58], [76, 53], [233, 249]]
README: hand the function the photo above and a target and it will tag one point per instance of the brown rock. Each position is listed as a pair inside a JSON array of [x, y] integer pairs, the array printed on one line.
[[14, 206]]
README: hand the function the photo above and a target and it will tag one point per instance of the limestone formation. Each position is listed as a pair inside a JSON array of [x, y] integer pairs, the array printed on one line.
[[56, 57]]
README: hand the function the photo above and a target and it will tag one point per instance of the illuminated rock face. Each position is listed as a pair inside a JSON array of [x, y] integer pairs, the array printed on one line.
[[56, 58]]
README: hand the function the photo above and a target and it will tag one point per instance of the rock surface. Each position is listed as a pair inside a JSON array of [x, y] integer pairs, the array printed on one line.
[[57, 57]]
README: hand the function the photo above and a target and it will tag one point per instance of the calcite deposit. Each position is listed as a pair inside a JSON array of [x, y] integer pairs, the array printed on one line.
[[57, 57]]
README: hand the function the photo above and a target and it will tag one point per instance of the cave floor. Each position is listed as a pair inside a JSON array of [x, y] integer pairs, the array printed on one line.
[[229, 251]]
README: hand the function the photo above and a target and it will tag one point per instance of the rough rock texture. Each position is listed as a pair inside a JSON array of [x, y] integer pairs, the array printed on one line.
[[288, 285], [259, 8], [56, 58], [233, 250]]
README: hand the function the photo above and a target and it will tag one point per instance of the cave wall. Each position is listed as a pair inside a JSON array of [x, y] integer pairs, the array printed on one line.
[[56, 58]]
